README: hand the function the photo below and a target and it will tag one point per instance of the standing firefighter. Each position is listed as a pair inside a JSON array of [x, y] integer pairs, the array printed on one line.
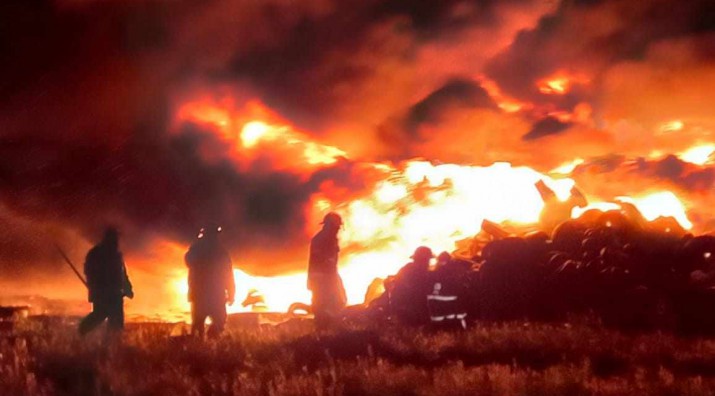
[[211, 284], [107, 282], [323, 278]]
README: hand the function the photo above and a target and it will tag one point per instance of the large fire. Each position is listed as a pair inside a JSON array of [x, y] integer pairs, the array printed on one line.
[[250, 127], [411, 204]]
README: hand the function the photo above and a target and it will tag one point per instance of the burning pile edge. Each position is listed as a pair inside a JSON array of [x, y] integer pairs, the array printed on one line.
[[614, 265], [627, 271]]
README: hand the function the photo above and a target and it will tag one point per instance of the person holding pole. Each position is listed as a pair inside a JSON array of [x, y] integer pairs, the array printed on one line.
[[107, 283]]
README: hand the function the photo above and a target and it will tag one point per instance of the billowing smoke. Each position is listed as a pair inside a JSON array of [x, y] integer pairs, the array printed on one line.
[[89, 97], [87, 127]]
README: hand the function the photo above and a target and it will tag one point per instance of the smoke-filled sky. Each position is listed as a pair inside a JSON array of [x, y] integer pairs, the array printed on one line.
[[89, 92]]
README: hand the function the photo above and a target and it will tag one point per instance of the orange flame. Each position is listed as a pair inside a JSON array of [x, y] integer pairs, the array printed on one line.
[[560, 83], [556, 86], [699, 155], [252, 126], [432, 205], [417, 203], [277, 293], [651, 206], [506, 103], [567, 167]]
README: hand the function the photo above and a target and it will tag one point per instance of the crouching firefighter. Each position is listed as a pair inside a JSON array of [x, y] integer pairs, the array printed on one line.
[[108, 284], [445, 308], [412, 283], [211, 283], [323, 279]]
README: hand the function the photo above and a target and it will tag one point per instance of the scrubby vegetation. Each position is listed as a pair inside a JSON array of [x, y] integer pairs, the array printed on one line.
[[290, 359]]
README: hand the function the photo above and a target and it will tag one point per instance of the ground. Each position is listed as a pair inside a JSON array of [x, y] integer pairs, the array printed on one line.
[[48, 358]]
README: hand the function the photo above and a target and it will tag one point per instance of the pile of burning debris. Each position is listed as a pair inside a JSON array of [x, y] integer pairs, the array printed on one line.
[[616, 265]]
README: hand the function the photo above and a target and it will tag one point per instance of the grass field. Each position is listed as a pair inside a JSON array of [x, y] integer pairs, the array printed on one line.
[[290, 359]]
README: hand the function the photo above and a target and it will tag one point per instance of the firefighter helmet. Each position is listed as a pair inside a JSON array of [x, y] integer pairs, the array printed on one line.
[[332, 218], [422, 252]]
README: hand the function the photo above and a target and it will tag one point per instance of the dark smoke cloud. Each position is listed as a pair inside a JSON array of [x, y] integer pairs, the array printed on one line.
[[319, 63], [683, 174], [457, 93], [547, 126], [157, 187], [669, 170], [588, 37]]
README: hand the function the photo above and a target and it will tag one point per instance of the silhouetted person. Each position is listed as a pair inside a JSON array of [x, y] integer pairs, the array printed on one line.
[[450, 271], [107, 282], [412, 285], [443, 261], [211, 283], [323, 279]]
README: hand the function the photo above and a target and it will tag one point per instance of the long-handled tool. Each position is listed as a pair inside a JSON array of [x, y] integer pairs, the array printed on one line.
[[69, 262]]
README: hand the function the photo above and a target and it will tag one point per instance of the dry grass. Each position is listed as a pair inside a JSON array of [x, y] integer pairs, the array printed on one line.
[[508, 359]]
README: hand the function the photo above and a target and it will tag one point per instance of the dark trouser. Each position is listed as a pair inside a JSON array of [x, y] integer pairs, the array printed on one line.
[[201, 310], [111, 308]]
